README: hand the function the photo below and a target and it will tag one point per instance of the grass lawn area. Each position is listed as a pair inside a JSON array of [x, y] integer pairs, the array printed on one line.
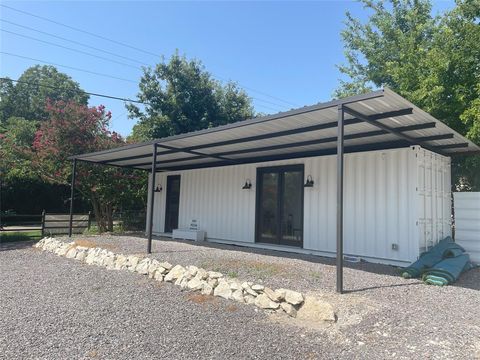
[[13, 236]]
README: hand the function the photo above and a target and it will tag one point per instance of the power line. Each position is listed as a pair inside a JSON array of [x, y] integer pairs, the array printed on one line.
[[80, 30], [71, 49], [74, 42], [140, 50], [78, 91], [118, 78], [68, 67]]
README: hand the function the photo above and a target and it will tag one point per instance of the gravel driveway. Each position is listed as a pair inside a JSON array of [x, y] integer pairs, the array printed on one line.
[[55, 308]]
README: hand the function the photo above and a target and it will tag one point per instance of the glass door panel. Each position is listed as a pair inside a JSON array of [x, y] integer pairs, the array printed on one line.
[[268, 217], [280, 205], [292, 208]]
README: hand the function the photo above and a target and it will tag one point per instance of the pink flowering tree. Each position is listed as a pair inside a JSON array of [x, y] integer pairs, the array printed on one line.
[[73, 129]]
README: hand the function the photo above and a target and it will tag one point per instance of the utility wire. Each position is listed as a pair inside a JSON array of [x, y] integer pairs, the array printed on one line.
[[80, 30], [78, 91], [74, 42], [71, 49], [137, 49], [118, 78], [68, 67], [93, 94]]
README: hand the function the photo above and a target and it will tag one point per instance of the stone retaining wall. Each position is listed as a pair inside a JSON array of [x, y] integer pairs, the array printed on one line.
[[189, 278]]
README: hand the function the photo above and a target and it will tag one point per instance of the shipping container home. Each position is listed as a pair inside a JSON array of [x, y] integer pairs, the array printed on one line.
[[366, 176], [397, 202]]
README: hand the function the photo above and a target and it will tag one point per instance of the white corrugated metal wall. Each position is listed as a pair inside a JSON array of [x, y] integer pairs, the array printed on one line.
[[381, 203], [467, 222]]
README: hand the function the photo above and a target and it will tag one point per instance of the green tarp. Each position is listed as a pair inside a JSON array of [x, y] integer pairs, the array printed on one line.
[[441, 265], [447, 271], [445, 248]]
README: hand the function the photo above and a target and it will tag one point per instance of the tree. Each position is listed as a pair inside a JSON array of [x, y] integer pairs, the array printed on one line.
[[75, 129], [432, 61], [27, 97], [181, 96], [16, 138]]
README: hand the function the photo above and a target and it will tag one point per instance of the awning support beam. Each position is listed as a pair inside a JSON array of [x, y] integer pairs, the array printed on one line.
[[152, 199], [369, 120], [340, 156], [72, 193]]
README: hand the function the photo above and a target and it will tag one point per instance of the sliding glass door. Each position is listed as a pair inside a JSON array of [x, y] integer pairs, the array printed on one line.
[[279, 215]]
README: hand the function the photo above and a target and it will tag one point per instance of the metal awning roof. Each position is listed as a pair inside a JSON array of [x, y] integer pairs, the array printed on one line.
[[374, 121]]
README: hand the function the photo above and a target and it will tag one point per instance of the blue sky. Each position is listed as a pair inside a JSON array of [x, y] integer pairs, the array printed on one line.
[[275, 50]]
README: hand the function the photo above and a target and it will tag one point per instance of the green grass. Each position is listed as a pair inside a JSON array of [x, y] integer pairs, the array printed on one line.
[[14, 236], [117, 229], [232, 274]]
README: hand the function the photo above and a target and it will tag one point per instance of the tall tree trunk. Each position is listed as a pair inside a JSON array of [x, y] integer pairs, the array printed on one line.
[[98, 214], [109, 217]]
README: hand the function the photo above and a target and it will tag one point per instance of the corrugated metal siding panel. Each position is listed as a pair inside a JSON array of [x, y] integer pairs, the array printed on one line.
[[434, 198], [379, 195], [214, 197], [467, 222], [380, 203]]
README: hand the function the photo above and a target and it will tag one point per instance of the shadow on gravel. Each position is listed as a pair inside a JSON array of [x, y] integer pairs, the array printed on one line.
[[470, 280], [363, 266], [383, 286], [16, 245]]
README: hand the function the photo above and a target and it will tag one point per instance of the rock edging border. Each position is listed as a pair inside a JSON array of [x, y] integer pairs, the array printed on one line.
[[189, 278]]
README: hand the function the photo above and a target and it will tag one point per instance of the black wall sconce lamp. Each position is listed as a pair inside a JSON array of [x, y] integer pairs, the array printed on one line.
[[158, 188], [309, 182], [248, 185]]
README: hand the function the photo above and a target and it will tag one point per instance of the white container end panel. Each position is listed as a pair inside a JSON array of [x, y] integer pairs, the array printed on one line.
[[467, 222], [434, 198]]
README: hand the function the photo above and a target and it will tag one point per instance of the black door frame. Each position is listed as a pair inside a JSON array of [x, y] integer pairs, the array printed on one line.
[[279, 169], [171, 178]]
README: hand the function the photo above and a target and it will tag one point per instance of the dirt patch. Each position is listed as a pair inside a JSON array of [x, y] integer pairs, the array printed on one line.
[[255, 268], [200, 298], [92, 244], [232, 308], [350, 310]]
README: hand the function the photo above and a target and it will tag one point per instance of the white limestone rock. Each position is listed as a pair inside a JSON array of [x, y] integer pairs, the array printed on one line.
[[195, 284], [246, 286], [273, 295], [215, 275], [143, 265], [132, 262], [237, 295], [176, 272], [212, 282], [249, 299], [120, 262], [289, 309], [109, 262], [158, 276], [316, 310], [81, 255], [263, 302], [223, 290], [152, 268], [202, 274], [207, 289], [292, 297], [166, 265], [258, 288], [234, 286], [191, 271], [71, 254]]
